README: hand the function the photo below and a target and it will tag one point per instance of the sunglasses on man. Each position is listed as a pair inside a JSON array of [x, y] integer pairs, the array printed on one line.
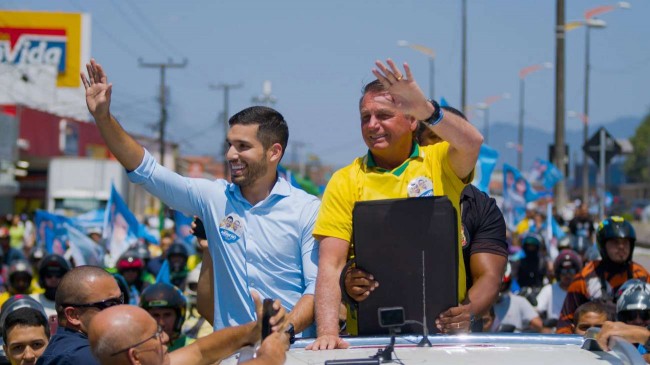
[[106, 303]]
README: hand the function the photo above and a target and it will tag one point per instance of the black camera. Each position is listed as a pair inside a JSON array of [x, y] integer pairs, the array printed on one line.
[[391, 317]]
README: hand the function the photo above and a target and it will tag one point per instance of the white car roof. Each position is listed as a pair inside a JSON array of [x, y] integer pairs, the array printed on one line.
[[481, 349]]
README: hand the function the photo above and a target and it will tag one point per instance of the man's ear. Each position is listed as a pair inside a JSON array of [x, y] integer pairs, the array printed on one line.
[[275, 152], [133, 356], [72, 316], [413, 123]]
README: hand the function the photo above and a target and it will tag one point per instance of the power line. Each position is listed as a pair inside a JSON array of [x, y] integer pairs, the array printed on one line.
[[152, 29], [137, 28]]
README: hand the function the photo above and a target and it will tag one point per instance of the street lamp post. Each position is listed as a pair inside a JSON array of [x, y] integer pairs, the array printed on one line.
[[589, 23], [431, 54], [485, 107], [522, 89]]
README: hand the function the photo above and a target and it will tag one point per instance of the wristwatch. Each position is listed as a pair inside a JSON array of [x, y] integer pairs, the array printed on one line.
[[292, 333], [437, 115]]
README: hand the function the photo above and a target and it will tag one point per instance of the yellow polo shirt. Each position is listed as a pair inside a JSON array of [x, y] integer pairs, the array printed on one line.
[[425, 173]]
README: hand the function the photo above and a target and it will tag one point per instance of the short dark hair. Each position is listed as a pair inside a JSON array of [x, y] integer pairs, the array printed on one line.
[[272, 126], [593, 307], [26, 316], [374, 86]]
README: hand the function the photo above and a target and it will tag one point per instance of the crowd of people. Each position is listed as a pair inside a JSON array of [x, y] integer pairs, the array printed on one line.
[[259, 237]]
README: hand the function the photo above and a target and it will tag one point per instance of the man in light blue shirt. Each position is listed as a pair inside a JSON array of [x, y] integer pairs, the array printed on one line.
[[258, 227]]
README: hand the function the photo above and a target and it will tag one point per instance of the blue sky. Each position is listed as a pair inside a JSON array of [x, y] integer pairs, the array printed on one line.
[[318, 55]]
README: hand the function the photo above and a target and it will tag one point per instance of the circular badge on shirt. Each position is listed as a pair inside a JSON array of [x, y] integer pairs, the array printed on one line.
[[231, 228], [419, 187]]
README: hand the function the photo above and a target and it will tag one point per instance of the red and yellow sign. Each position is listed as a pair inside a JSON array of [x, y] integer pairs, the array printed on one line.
[[43, 38]]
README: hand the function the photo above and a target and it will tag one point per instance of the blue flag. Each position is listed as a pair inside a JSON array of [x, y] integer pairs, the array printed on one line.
[[51, 231], [545, 174], [487, 160], [516, 193], [84, 250], [121, 227], [163, 275], [183, 227]]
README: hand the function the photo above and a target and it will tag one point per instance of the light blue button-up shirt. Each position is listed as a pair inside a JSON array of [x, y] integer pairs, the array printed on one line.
[[267, 247]]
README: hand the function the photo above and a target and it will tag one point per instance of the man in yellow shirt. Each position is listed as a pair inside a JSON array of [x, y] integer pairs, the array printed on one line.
[[395, 167]]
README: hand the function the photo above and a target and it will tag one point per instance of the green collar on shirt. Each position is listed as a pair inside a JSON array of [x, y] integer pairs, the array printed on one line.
[[415, 152]]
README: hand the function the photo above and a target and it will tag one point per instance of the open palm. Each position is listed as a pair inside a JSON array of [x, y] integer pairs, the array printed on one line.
[[98, 90]]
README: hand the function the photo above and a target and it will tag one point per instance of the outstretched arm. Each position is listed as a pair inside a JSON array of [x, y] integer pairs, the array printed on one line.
[[223, 343], [98, 99], [464, 139]]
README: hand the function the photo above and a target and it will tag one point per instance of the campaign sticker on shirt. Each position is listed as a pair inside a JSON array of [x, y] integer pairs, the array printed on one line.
[[231, 228], [464, 236], [419, 187]]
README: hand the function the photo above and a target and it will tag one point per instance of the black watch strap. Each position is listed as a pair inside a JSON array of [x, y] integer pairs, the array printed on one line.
[[436, 117], [292, 333]]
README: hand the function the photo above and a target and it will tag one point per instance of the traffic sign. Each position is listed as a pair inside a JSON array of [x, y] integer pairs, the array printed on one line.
[[592, 147]]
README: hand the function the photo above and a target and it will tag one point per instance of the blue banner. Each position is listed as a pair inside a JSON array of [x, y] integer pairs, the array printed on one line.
[[51, 231], [545, 174], [121, 227], [183, 227], [516, 193], [487, 160], [84, 250]]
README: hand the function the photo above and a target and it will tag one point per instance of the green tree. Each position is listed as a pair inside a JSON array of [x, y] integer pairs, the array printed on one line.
[[637, 166]]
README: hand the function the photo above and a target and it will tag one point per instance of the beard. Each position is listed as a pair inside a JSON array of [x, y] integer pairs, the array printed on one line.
[[252, 172]]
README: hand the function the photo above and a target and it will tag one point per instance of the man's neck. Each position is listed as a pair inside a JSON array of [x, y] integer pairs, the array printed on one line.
[[260, 189], [389, 160]]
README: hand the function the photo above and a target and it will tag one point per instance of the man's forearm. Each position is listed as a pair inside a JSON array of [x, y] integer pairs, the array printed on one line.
[[127, 151], [328, 300], [216, 346], [483, 294], [486, 271], [302, 314]]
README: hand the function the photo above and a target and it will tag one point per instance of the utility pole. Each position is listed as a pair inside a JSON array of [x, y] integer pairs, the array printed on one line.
[[560, 152], [226, 102], [163, 115]]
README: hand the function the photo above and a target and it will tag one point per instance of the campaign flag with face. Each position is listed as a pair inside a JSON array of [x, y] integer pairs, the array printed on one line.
[[83, 249], [51, 231], [516, 193], [487, 160], [183, 230], [545, 174], [121, 227]]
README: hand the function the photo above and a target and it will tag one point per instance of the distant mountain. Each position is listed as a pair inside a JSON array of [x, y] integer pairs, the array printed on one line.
[[536, 141]]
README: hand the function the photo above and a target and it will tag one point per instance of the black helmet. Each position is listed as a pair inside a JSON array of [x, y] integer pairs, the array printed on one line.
[[53, 265], [615, 227], [130, 260], [36, 254], [17, 267], [532, 238], [16, 302], [566, 259], [178, 248], [163, 295]]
